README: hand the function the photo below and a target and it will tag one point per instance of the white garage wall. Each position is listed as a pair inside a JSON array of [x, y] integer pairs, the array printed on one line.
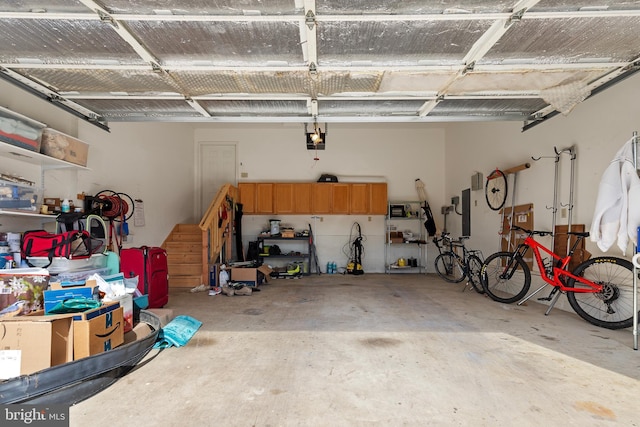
[[154, 162], [397, 154], [597, 129]]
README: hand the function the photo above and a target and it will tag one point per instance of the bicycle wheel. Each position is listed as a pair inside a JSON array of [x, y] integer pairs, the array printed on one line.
[[612, 308], [474, 266], [448, 267], [504, 278], [495, 189]]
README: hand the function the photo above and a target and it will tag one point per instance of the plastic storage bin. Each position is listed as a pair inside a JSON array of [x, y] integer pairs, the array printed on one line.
[[14, 195], [65, 265]]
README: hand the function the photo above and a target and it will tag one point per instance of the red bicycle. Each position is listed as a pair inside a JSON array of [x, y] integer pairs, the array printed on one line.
[[600, 290]]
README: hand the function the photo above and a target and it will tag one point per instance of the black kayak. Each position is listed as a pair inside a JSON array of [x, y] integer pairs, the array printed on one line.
[[80, 379]]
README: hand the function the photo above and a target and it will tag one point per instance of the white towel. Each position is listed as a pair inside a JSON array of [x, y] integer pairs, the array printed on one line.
[[617, 210]]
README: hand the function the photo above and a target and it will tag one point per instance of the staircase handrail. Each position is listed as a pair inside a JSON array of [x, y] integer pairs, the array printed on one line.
[[217, 229]]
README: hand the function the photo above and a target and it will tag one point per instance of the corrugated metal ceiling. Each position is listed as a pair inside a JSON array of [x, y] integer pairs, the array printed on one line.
[[307, 60]]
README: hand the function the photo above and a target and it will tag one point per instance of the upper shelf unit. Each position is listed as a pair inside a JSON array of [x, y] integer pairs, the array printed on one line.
[[27, 156], [30, 141]]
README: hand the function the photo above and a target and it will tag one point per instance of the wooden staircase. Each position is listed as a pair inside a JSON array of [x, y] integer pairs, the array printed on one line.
[[184, 256], [192, 248]]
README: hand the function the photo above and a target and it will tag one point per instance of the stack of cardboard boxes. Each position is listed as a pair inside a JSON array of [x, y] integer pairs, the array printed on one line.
[[38, 340]]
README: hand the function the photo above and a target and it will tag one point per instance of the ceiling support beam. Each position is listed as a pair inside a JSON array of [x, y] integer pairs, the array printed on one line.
[[584, 13], [196, 106], [124, 33], [52, 97], [480, 49], [308, 36]]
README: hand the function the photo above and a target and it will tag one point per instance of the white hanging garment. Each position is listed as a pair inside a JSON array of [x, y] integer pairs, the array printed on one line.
[[617, 206]]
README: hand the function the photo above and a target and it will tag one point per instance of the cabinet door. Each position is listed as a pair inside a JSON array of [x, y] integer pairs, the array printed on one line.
[[378, 201], [264, 197], [360, 196], [340, 198], [284, 198], [247, 192], [302, 198], [321, 198], [292, 198]]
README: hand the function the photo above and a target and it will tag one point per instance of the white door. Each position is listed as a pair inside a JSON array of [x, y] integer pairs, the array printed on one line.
[[216, 167]]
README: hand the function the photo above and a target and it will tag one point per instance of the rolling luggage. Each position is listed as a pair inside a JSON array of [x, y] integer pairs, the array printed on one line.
[[150, 265]]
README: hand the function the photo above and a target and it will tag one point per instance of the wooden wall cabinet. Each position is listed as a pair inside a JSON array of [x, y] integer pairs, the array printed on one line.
[[368, 198], [330, 198], [256, 197], [360, 199], [264, 198], [292, 198], [247, 191], [341, 198], [378, 198], [321, 198], [302, 198]]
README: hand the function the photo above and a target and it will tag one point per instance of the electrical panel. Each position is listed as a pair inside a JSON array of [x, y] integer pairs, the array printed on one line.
[[476, 181]]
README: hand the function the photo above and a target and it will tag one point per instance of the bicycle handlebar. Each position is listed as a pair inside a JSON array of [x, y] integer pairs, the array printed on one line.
[[460, 240]]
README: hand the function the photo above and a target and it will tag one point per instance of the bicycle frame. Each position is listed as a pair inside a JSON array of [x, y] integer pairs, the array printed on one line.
[[558, 272], [449, 245], [443, 239]]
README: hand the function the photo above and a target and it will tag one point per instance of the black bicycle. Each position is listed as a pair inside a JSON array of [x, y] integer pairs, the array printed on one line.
[[456, 262]]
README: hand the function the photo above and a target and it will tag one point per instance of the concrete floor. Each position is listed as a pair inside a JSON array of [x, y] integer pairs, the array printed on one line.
[[385, 350]]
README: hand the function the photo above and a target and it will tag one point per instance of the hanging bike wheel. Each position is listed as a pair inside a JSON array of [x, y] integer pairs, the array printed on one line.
[[495, 189]]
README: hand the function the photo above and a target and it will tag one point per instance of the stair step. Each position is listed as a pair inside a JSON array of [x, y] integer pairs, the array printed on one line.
[[184, 269], [189, 228], [184, 247], [185, 237], [184, 257]]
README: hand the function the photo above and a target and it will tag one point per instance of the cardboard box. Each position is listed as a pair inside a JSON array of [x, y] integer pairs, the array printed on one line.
[[53, 201], [99, 334], [26, 284], [140, 331], [64, 147], [396, 237], [43, 341], [287, 233], [247, 275], [20, 130], [53, 204], [266, 270]]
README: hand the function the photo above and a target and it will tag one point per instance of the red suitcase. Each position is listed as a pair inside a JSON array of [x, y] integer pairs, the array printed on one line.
[[150, 265]]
